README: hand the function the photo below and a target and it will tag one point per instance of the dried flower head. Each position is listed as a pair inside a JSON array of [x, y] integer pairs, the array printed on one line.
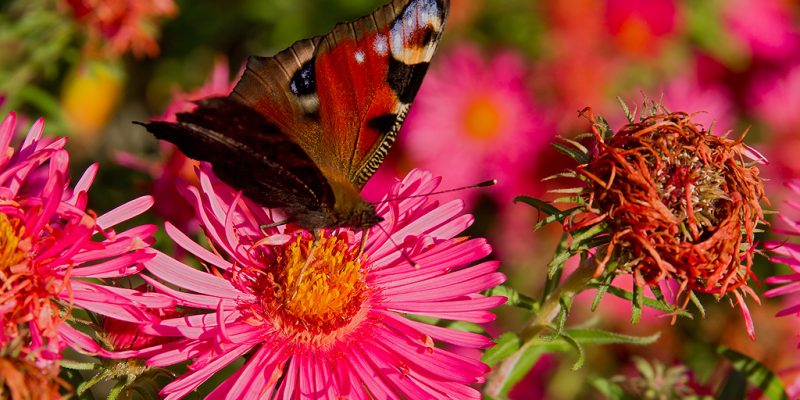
[[672, 201], [23, 380]]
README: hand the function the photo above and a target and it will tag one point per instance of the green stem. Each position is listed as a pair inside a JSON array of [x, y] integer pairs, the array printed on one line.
[[551, 307], [543, 319]]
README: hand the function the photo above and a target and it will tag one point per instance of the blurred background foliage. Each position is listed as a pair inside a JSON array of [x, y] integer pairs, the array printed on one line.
[[90, 67]]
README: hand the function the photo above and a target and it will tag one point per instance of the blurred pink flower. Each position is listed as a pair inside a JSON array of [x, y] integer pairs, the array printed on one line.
[[119, 26], [174, 165], [776, 99], [333, 326], [639, 27], [767, 28], [49, 241], [474, 120], [710, 104], [788, 253]]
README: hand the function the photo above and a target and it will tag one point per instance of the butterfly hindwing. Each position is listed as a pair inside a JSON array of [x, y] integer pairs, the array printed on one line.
[[248, 152], [344, 95]]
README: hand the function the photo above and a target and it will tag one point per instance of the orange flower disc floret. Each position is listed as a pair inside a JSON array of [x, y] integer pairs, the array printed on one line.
[[679, 202]]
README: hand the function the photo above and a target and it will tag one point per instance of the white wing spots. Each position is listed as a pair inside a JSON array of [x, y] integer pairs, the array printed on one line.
[[360, 57], [381, 44], [419, 15]]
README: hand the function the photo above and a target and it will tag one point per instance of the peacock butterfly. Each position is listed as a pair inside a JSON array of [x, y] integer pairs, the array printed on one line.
[[305, 129]]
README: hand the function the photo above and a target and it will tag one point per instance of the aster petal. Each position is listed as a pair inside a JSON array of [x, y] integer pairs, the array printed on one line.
[[99, 299], [125, 212], [189, 382], [84, 183], [370, 377], [459, 283], [170, 270], [34, 134], [258, 374], [7, 129], [433, 361], [188, 299], [78, 340], [189, 245], [124, 265], [413, 328]]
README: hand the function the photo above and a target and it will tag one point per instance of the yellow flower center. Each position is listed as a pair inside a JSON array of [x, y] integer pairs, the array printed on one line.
[[311, 290], [482, 118], [10, 252]]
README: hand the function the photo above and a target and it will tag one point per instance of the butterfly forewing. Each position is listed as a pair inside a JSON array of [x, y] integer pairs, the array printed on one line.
[[248, 152], [346, 94], [305, 129]]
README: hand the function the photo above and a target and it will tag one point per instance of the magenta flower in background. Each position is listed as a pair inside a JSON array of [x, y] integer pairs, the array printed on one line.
[[174, 165], [49, 242], [477, 114], [788, 252], [765, 28], [776, 99], [334, 326], [639, 27], [710, 104]]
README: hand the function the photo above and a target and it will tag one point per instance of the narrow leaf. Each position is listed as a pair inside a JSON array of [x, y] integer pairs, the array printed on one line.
[[756, 373], [505, 346]]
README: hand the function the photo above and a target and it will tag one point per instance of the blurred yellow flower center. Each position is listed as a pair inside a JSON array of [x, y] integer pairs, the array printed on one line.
[[482, 118], [319, 292]]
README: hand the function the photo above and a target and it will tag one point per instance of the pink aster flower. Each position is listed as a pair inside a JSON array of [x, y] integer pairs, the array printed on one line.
[[788, 253], [50, 242], [336, 325], [639, 27], [766, 28], [776, 101], [477, 114]]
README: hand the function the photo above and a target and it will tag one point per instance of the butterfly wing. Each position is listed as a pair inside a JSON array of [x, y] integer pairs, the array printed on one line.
[[343, 96], [249, 153]]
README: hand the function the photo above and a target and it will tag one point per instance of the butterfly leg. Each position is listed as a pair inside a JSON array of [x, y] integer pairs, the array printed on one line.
[[363, 244], [316, 233]]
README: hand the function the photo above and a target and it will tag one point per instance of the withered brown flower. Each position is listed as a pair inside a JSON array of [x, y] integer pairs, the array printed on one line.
[[678, 202], [22, 380]]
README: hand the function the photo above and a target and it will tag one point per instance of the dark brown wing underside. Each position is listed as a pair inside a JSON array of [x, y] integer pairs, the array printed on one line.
[[249, 153]]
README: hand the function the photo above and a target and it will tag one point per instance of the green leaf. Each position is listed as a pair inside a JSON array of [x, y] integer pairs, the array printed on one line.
[[575, 154], [756, 373], [540, 205], [513, 370], [79, 366], [505, 346], [601, 337], [577, 346], [515, 299], [636, 303], [602, 288], [611, 390], [649, 302]]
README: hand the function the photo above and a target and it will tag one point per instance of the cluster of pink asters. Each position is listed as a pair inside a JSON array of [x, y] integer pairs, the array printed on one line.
[[53, 251], [325, 319]]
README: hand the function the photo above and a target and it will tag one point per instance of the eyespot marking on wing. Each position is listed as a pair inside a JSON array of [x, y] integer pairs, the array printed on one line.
[[411, 35], [304, 85], [304, 80]]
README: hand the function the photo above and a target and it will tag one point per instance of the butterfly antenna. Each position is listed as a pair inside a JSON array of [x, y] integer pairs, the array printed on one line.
[[488, 183], [400, 249], [274, 224]]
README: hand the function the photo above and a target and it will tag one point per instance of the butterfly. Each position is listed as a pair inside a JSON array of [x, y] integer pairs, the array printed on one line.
[[305, 129]]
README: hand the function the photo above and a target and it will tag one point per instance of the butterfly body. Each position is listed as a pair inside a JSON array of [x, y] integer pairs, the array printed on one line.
[[306, 128]]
